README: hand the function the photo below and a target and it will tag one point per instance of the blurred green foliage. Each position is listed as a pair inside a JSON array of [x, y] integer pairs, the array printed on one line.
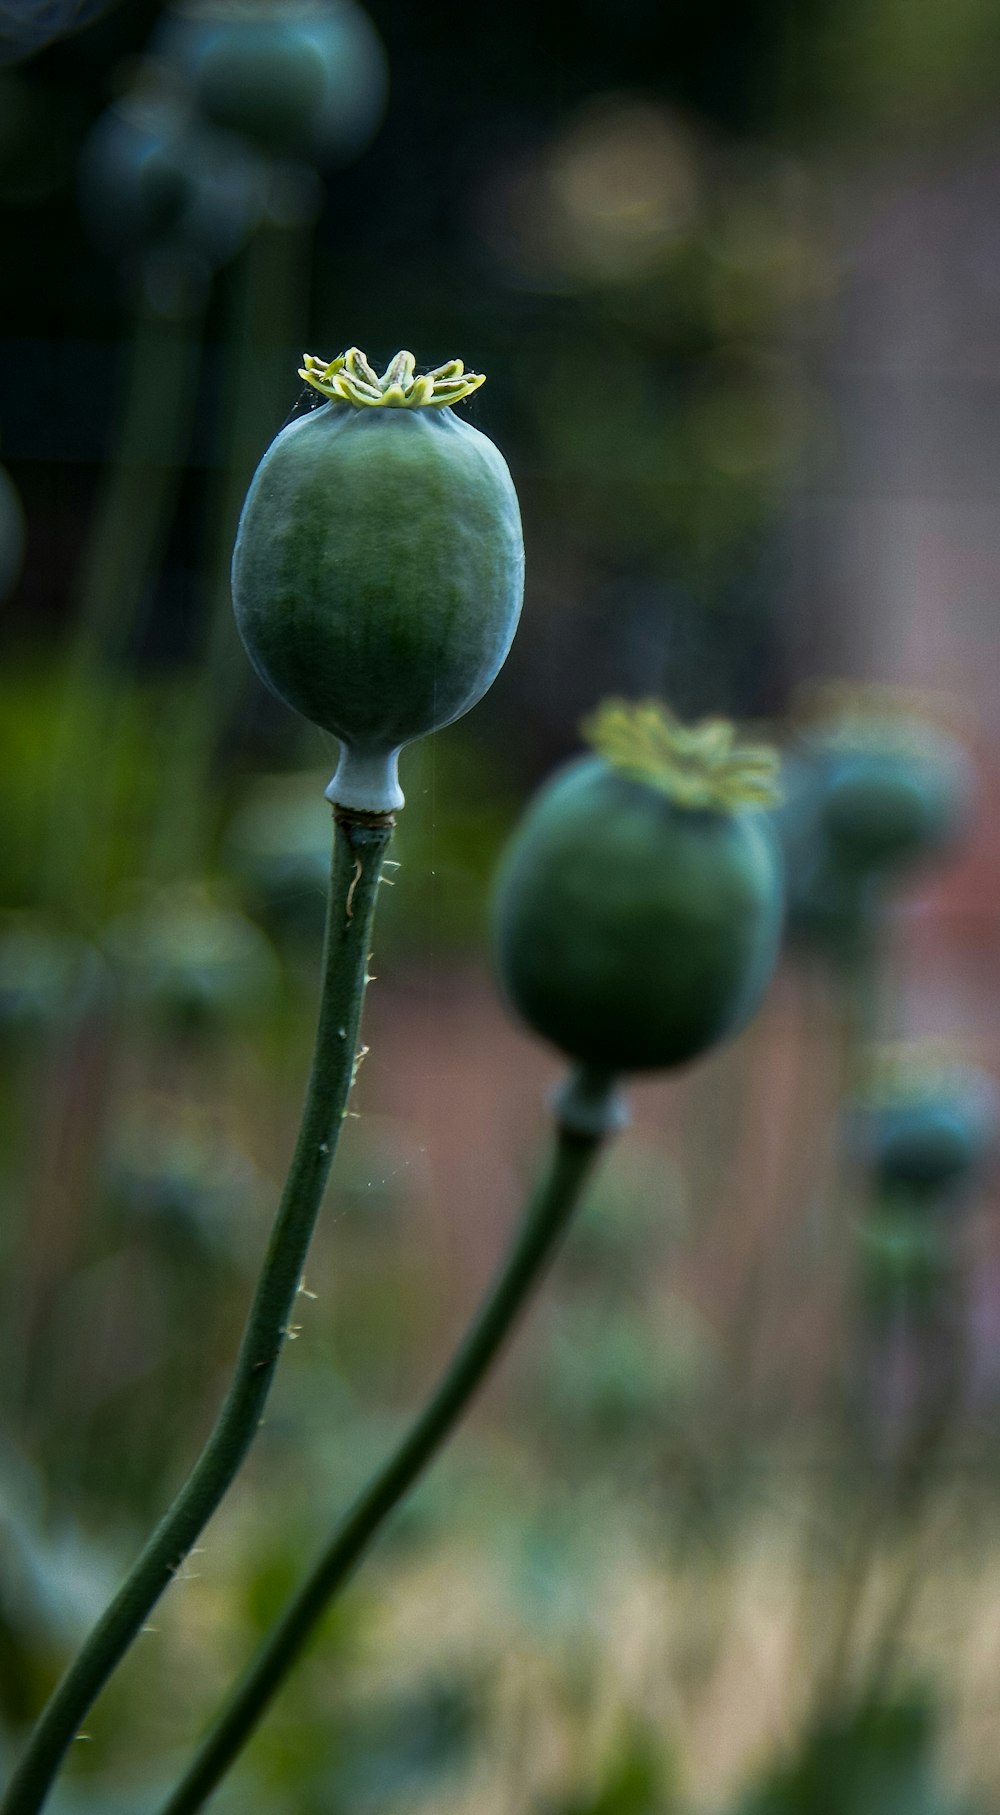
[[875, 1759]]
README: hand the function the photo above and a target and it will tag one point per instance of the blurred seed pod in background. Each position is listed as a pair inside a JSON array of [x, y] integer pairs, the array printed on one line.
[[873, 789], [926, 1129], [155, 183], [196, 963], [176, 1174], [278, 844], [638, 907], [13, 536], [300, 79], [890, 800], [44, 972]]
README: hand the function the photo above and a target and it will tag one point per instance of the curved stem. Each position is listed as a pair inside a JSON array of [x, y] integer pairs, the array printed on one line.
[[357, 864], [545, 1220]]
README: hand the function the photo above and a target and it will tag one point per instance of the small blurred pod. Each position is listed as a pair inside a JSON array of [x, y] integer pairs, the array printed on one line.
[[873, 789], [926, 1129], [924, 1132], [176, 1176], [46, 974], [300, 79], [278, 845], [194, 963], [164, 193]]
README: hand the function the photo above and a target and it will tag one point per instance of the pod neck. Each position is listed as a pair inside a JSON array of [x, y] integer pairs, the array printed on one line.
[[367, 781]]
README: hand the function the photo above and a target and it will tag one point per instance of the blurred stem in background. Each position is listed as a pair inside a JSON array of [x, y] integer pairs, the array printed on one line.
[[267, 318], [129, 532], [359, 850], [549, 1212], [131, 522], [892, 1523], [923, 1127]]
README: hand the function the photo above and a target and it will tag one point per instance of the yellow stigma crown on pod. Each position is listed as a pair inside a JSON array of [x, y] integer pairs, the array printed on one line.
[[350, 379], [696, 766]]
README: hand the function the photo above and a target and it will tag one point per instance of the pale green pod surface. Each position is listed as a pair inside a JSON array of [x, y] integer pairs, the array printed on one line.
[[636, 922], [378, 576]]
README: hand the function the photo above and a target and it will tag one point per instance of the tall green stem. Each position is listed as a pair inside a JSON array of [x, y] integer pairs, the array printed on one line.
[[357, 864], [546, 1218]]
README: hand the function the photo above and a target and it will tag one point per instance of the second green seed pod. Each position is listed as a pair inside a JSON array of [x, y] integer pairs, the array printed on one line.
[[638, 909]]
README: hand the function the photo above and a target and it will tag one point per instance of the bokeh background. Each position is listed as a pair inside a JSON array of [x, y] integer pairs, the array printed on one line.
[[724, 1534]]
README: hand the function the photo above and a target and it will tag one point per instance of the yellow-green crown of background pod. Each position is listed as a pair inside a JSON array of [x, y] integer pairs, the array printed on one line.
[[379, 564], [637, 911]]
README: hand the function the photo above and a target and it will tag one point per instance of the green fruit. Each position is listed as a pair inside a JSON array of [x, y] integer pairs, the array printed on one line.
[[638, 909], [869, 793], [933, 1149], [379, 565], [885, 809], [297, 77], [881, 786], [44, 973], [152, 179], [192, 961], [929, 1129]]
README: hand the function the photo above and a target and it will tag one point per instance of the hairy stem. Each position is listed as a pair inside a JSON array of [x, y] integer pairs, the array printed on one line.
[[357, 863], [547, 1216]]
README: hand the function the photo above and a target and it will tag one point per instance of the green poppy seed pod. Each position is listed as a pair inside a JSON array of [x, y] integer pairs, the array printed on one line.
[[279, 846], [884, 809], [379, 565], [889, 787], [299, 78], [176, 1175], [928, 1128], [637, 912], [43, 974], [153, 179], [192, 961]]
